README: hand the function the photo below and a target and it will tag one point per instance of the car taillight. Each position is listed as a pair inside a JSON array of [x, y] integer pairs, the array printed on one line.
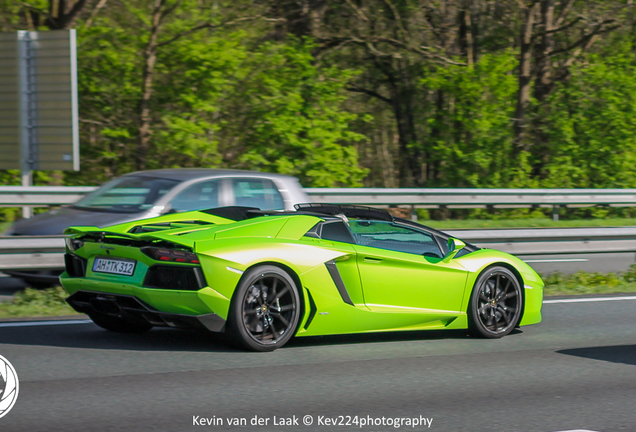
[[171, 255], [73, 244]]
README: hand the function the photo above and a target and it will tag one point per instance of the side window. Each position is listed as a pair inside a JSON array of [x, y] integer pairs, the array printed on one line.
[[390, 236], [336, 231], [199, 196], [254, 192]]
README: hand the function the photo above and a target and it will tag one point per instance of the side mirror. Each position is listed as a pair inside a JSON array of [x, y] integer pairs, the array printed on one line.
[[454, 246]]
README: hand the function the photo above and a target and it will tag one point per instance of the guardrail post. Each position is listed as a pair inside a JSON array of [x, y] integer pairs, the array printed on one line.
[[555, 212], [413, 213]]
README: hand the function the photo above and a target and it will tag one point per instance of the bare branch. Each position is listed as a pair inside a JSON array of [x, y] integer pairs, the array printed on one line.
[[330, 45], [94, 13], [585, 38], [68, 19], [525, 5], [425, 51], [358, 11], [169, 10], [38, 10], [372, 93], [558, 29], [564, 11], [205, 26], [398, 19]]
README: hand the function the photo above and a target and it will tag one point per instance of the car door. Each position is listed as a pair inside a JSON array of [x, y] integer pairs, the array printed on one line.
[[402, 270]]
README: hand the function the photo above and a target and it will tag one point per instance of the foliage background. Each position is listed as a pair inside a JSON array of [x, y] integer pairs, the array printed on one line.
[[376, 93]]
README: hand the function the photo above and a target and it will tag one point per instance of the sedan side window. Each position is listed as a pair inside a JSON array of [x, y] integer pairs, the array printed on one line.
[[203, 195], [390, 236], [255, 192]]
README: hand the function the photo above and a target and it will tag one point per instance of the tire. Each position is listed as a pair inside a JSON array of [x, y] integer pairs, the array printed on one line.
[[118, 325], [495, 304], [265, 309]]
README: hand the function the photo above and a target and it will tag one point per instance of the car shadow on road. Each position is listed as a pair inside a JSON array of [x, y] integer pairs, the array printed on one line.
[[625, 354], [89, 336], [404, 336]]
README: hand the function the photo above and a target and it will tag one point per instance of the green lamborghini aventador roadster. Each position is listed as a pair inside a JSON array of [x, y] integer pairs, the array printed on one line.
[[265, 277]]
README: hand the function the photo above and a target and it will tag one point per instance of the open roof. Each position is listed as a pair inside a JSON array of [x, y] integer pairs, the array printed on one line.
[[238, 213]]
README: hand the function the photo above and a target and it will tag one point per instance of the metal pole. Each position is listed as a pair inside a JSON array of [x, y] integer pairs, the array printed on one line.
[[555, 212], [27, 110]]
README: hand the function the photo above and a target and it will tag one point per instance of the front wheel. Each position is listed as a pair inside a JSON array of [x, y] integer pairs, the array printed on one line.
[[265, 309], [495, 304]]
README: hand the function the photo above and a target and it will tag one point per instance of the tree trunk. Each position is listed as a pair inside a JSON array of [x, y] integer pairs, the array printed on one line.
[[544, 80], [466, 33], [525, 79], [150, 58]]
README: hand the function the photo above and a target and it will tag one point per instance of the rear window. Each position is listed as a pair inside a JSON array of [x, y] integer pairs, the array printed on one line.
[[127, 195], [254, 192]]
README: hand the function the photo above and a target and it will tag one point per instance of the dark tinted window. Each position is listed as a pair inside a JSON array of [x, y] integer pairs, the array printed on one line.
[[336, 231], [254, 192], [127, 194], [390, 236], [203, 195]]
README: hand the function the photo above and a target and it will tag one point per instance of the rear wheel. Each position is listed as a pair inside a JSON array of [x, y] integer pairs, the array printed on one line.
[[265, 309], [495, 304], [117, 324]]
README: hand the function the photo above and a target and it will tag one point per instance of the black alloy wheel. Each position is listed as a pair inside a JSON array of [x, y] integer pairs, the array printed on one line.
[[495, 304], [265, 309]]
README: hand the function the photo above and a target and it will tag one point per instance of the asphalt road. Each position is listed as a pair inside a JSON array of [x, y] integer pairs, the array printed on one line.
[[566, 264], [576, 370]]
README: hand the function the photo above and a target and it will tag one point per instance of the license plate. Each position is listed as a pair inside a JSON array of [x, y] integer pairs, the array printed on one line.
[[114, 266]]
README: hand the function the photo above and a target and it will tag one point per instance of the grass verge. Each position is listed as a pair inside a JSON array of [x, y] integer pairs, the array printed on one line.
[[50, 302], [590, 283], [36, 303]]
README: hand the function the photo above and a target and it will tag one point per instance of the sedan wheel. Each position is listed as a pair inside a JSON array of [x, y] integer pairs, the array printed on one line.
[[265, 309], [495, 304]]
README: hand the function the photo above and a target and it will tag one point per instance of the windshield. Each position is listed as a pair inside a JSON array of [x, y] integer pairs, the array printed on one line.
[[127, 195]]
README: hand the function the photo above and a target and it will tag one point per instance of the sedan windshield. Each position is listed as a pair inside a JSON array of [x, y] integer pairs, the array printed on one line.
[[127, 195]]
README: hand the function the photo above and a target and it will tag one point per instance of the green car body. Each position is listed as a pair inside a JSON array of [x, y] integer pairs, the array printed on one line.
[[343, 286]]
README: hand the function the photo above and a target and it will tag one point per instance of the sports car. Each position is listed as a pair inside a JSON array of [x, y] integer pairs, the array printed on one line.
[[264, 277]]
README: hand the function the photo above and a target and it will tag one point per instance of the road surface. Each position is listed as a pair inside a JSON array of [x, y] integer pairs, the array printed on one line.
[[575, 371]]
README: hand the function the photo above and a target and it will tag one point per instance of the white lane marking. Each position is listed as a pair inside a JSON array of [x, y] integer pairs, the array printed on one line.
[[557, 260], [577, 430], [43, 323], [589, 300]]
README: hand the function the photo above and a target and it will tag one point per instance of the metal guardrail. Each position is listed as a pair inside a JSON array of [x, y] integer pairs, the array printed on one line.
[[553, 241], [469, 198], [47, 252], [17, 196], [32, 253]]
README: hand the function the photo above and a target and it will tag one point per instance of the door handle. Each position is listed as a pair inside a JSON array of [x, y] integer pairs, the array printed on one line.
[[372, 260]]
